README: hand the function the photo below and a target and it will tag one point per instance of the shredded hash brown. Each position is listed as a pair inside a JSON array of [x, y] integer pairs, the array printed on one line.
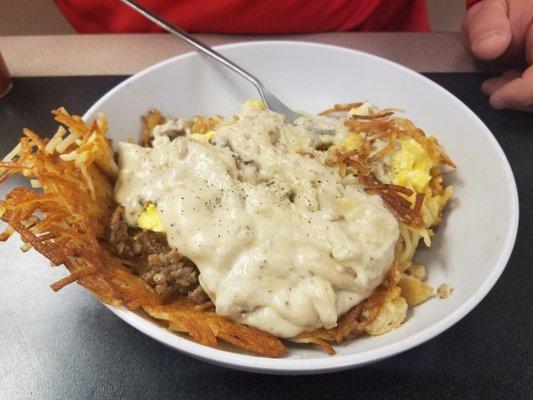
[[67, 213]]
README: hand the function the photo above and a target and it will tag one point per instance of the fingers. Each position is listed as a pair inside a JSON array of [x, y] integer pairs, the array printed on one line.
[[487, 30], [491, 85], [487, 33], [511, 92], [512, 74]]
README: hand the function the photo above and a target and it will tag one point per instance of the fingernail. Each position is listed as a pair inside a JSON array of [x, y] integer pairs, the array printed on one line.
[[485, 88], [485, 38], [497, 102]]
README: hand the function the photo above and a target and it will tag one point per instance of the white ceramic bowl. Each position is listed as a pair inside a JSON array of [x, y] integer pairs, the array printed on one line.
[[470, 249]]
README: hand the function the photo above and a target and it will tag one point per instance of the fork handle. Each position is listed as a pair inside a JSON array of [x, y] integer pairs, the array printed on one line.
[[197, 44]]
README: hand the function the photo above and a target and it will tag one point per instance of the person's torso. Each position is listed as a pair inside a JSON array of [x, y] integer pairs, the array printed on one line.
[[251, 16]]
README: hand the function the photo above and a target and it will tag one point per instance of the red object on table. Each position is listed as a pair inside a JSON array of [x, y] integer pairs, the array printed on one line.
[[5, 78], [251, 16]]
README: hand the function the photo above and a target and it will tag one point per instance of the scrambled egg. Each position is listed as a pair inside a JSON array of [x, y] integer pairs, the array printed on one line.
[[411, 165], [203, 137], [351, 142], [363, 109], [254, 104], [149, 219]]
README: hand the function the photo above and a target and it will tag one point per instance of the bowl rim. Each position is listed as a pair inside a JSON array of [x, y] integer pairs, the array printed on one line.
[[344, 361]]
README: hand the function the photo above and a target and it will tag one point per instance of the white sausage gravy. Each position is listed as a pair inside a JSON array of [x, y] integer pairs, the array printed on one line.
[[282, 242]]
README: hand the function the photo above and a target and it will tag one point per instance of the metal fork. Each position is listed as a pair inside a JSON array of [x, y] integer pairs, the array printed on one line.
[[271, 101]]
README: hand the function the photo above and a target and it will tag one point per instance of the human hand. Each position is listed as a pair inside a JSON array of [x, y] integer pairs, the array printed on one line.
[[503, 29]]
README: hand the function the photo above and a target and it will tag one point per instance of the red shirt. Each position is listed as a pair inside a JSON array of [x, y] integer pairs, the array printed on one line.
[[250, 16]]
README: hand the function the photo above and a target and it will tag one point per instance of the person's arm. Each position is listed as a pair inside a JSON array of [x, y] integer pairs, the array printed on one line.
[[496, 28]]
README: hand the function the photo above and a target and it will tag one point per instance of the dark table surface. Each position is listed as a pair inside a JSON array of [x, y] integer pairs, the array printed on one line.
[[68, 345]]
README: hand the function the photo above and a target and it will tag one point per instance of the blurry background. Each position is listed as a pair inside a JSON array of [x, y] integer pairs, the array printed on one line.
[[41, 17]]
